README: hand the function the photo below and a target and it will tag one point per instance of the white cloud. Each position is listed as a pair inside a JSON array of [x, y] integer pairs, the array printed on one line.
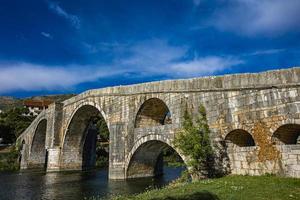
[[30, 77], [47, 35], [157, 57], [202, 66], [144, 59], [264, 52], [153, 53], [73, 19], [258, 17]]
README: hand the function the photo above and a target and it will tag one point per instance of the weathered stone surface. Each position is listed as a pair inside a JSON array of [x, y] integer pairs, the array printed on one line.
[[253, 106]]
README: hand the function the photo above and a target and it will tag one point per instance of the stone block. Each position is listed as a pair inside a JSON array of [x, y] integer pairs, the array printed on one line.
[[292, 156], [291, 162]]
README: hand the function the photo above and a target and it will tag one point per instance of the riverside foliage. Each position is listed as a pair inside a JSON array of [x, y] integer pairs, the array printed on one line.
[[13, 122], [194, 143]]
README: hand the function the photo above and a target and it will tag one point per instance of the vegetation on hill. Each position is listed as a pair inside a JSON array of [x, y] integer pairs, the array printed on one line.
[[55, 98], [13, 122], [12, 119], [8, 103]]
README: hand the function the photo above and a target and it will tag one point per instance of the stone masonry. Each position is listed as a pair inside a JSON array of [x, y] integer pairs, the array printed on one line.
[[254, 121]]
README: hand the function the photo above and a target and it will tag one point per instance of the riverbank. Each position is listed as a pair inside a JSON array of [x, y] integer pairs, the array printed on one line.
[[229, 187], [9, 159]]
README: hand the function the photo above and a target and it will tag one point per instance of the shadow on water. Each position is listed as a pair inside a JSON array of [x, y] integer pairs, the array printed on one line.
[[195, 196], [74, 185]]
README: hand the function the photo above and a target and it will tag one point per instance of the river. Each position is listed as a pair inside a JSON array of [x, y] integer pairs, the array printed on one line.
[[36, 185]]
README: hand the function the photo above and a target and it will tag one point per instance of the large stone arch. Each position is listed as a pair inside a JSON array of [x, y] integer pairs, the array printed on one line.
[[88, 103], [152, 112], [144, 157], [287, 134], [37, 151], [79, 142]]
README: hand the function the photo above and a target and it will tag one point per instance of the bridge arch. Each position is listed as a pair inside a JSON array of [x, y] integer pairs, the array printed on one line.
[[240, 137], [79, 143], [287, 134], [145, 160], [153, 112], [37, 153]]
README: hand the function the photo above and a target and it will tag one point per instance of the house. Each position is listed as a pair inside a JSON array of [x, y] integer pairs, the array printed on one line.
[[36, 106]]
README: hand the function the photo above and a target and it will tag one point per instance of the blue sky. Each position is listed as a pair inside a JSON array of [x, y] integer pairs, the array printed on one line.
[[63, 46]]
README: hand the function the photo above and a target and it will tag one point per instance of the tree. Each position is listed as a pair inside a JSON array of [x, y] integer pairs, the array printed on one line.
[[194, 143], [13, 122], [103, 129]]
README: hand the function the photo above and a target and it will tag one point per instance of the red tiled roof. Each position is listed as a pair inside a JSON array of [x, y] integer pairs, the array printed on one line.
[[37, 103]]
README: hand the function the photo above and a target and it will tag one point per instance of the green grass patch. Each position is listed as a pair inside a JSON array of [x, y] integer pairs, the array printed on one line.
[[226, 188]]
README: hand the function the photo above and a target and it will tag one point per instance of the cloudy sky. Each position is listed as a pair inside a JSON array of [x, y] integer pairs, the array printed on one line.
[[63, 46]]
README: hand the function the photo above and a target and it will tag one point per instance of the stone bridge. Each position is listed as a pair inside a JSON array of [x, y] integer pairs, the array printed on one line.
[[254, 121]]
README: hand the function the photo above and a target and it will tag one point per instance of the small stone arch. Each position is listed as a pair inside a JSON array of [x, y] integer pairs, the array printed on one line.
[[287, 134], [80, 137], [144, 159], [153, 112], [21, 150], [37, 153], [239, 137], [22, 144]]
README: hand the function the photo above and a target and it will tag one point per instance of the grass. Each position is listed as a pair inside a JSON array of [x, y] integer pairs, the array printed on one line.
[[226, 188]]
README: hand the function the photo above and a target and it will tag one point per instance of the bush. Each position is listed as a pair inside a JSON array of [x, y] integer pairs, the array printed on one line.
[[194, 143], [13, 122], [9, 161], [102, 162]]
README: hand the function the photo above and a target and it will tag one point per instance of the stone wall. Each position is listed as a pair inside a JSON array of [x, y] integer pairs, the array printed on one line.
[[246, 161], [290, 156]]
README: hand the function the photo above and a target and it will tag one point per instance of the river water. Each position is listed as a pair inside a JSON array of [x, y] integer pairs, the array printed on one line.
[[33, 185]]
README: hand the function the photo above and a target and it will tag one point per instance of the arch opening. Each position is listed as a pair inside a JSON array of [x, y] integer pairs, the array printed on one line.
[[153, 112], [86, 143], [21, 151], [239, 138], [287, 134], [38, 155], [151, 158]]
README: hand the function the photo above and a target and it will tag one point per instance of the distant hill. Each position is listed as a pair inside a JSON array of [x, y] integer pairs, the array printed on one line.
[[7, 102]]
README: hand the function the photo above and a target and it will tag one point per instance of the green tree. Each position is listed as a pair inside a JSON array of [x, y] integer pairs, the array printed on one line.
[[193, 141], [102, 142], [13, 122], [103, 129]]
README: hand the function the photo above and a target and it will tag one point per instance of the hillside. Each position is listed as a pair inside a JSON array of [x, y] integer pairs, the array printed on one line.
[[7, 102]]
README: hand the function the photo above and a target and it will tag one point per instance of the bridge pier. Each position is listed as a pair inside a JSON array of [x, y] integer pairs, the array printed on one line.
[[53, 163], [116, 171], [117, 151]]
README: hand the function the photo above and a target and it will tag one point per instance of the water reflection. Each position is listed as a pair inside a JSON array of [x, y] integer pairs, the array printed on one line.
[[74, 185]]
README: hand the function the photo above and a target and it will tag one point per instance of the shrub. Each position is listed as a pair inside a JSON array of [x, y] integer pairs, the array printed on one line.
[[194, 143]]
